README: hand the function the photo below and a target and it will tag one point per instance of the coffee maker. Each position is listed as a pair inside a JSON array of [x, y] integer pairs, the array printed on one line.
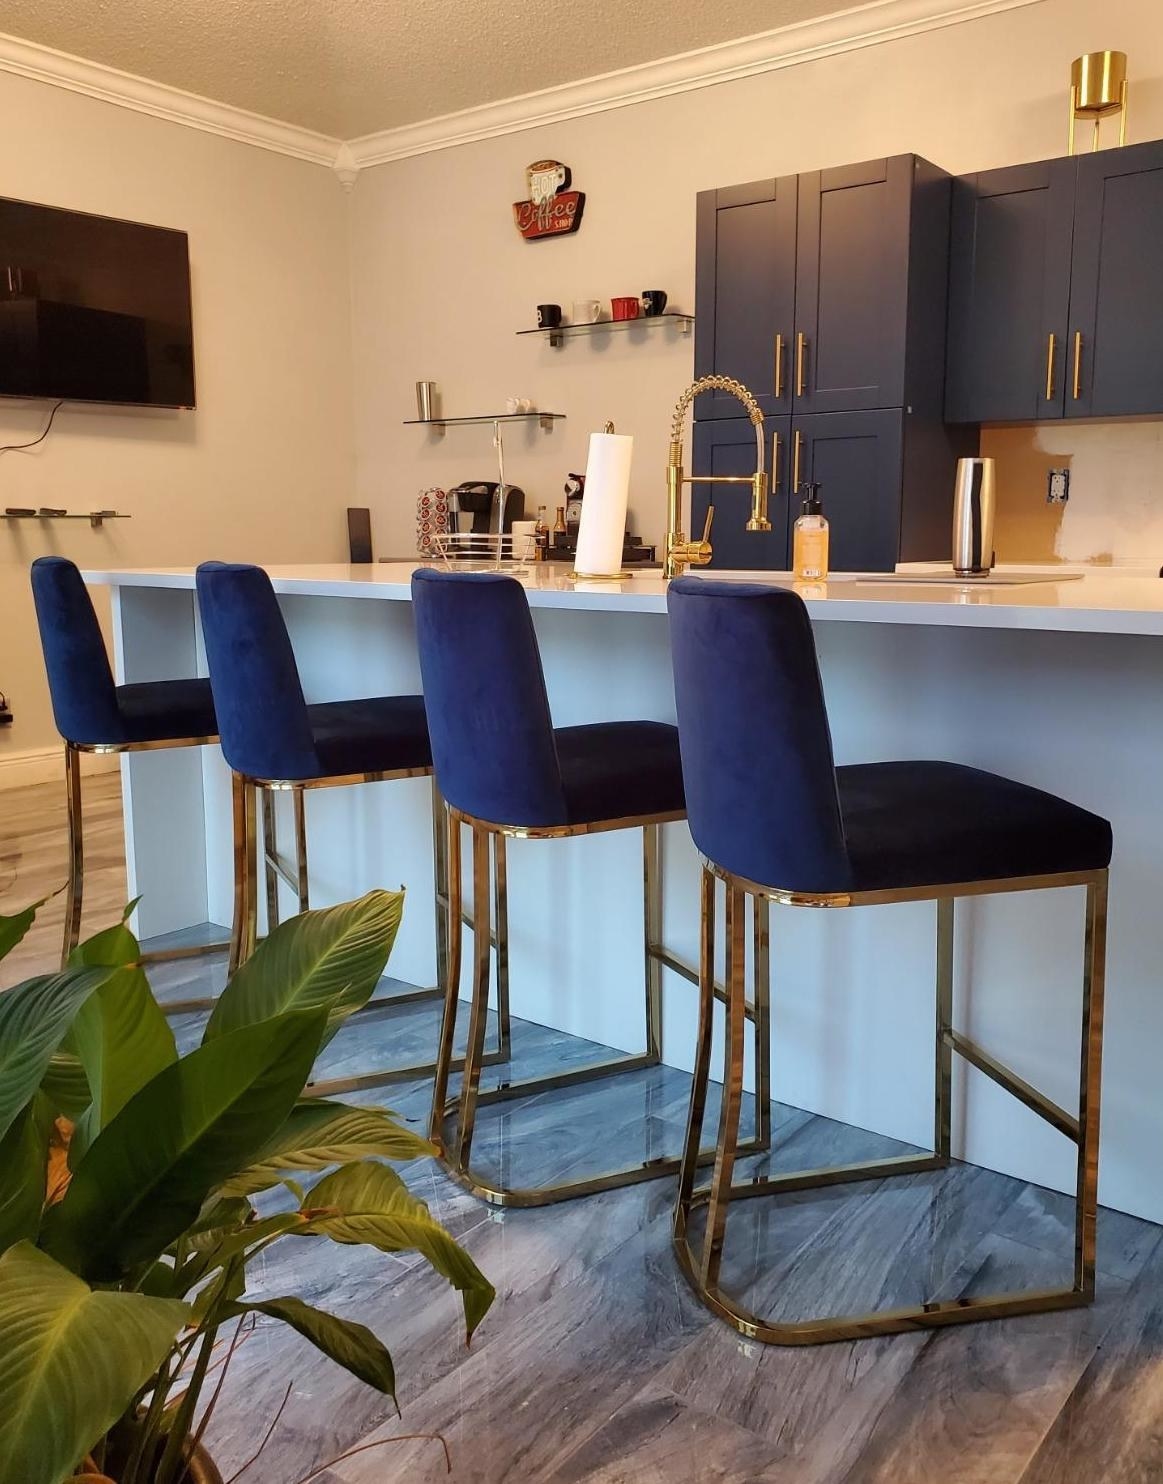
[[475, 505]]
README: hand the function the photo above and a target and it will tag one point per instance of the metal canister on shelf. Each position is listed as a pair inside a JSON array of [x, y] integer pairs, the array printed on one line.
[[973, 509]]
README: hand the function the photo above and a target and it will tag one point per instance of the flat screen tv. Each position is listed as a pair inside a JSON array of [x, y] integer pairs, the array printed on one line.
[[93, 309]]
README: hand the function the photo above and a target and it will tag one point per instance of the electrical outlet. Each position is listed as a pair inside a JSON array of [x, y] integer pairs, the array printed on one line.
[[1057, 486]]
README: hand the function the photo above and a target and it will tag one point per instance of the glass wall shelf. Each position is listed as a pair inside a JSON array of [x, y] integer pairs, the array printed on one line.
[[95, 518], [683, 323], [546, 419]]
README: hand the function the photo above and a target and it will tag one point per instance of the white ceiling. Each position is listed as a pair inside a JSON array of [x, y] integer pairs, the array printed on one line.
[[354, 67]]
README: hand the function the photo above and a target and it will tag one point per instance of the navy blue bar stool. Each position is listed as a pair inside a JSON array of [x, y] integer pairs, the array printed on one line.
[[276, 743], [775, 819], [93, 715], [505, 771]]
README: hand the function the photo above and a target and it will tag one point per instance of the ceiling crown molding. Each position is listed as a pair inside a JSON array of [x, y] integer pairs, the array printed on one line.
[[43, 64], [788, 46]]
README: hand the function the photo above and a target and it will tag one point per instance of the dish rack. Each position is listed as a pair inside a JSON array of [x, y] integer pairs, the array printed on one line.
[[488, 550]]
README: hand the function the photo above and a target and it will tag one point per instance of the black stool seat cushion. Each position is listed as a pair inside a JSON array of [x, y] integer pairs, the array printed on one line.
[[619, 770], [932, 824], [383, 734], [161, 711]]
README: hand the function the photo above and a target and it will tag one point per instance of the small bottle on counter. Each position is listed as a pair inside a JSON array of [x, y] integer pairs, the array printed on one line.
[[810, 538], [559, 531], [541, 535]]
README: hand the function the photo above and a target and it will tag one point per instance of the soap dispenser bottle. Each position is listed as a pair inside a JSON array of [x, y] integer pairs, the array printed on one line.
[[810, 538]]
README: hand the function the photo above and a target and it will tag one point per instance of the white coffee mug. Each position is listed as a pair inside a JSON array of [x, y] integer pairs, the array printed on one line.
[[586, 311], [524, 540]]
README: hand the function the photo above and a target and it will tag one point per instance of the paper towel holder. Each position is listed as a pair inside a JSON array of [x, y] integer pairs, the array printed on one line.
[[619, 576]]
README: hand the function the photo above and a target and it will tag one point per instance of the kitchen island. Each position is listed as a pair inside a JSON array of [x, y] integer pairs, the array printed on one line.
[[1055, 683]]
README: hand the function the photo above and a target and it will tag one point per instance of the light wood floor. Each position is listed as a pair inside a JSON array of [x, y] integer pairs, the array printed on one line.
[[596, 1364]]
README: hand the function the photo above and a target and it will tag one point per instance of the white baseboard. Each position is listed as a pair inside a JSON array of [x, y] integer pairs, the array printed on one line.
[[47, 765]]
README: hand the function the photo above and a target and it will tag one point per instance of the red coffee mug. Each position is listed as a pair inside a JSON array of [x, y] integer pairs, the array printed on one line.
[[626, 308]]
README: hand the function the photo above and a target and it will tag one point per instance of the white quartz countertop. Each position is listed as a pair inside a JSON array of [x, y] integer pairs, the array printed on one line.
[[1102, 601]]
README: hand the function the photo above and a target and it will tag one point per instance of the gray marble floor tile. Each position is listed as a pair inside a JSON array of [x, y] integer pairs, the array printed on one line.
[[660, 1438], [1110, 1428]]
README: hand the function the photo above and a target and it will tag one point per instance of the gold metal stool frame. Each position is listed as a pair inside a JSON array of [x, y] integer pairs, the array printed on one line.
[[75, 891], [244, 934], [702, 1268], [491, 897]]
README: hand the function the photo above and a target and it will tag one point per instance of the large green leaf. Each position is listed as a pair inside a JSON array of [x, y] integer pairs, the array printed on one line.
[[71, 1361], [331, 958], [13, 928], [145, 1178], [23, 1162], [349, 1344], [319, 1134], [121, 1035], [65, 1085], [368, 1203], [34, 1017]]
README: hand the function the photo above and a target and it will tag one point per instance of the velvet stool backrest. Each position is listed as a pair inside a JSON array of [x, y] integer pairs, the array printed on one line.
[[753, 731], [80, 681], [262, 715], [484, 694]]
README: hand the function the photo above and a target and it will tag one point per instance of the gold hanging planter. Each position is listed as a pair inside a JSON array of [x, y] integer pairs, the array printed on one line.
[[1098, 88]]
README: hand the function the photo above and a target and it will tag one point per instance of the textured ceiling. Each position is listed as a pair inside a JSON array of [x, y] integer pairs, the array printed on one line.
[[352, 67]]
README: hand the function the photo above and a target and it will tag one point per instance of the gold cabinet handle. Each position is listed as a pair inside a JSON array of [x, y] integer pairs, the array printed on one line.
[[1077, 364], [1051, 344], [778, 367], [775, 464], [797, 449], [801, 346]]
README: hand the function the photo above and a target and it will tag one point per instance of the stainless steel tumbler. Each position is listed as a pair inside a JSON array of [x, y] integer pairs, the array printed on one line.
[[973, 507], [425, 400]]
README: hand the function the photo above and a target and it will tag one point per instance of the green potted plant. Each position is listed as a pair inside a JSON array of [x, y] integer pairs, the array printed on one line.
[[128, 1185]]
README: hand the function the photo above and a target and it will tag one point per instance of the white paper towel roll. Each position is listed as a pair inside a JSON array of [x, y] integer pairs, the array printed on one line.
[[600, 537]]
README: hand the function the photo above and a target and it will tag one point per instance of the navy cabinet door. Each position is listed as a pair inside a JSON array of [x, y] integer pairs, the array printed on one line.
[[1009, 293], [745, 292], [855, 457], [852, 273], [1116, 303], [727, 446]]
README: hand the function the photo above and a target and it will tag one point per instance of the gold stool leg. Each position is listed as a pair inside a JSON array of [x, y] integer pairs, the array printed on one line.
[[702, 1068], [270, 836], [761, 908], [1093, 986], [440, 827], [652, 935], [76, 888], [244, 928], [500, 929], [455, 884], [943, 1109], [478, 1016], [732, 1088], [299, 805]]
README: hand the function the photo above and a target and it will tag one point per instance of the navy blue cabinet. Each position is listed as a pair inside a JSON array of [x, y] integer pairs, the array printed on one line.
[[1055, 297], [745, 292], [727, 446], [856, 458], [1116, 285], [1009, 293], [826, 295]]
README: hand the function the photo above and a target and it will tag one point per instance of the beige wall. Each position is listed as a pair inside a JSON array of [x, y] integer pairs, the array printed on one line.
[[263, 468], [441, 280]]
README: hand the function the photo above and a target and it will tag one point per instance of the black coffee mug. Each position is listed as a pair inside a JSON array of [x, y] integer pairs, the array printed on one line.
[[549, 316], [653, 302]]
